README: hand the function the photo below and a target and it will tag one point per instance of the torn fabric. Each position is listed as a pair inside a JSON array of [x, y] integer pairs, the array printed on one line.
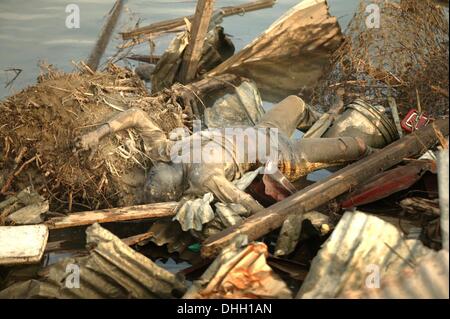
[[195, 212], [243, 107], [240, 273]]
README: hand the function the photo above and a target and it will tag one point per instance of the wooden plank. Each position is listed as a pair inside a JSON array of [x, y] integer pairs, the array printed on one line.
[[22, 244], [193, 52], [322, 192], [167, 25], [105, 35], [148, 211], [133, 240], [152, 59]]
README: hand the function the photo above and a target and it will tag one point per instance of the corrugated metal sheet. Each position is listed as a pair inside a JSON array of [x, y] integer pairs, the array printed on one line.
[[111, 270], [429, 280], [361, 248]]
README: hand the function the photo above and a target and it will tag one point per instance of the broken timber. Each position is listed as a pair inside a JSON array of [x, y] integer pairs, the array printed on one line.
[[152, 59], [198, 31], [322, 192], [105, 35], [178, 22], [148, 211]]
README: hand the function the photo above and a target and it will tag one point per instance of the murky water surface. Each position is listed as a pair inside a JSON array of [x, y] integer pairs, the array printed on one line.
[[33, 31]]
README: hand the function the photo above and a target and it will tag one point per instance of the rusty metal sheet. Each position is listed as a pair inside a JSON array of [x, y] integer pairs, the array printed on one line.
[[388, 183]]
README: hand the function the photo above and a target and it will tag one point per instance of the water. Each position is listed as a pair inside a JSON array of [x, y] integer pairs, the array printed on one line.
[[33, 31]]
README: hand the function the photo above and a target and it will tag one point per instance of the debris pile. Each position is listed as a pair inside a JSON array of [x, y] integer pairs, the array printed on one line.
[[99, 200], [399, 50], [39, 125]]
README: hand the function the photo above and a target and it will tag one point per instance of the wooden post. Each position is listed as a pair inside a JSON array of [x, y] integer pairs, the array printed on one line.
[[199, 28], [322, 192], [105, 35]]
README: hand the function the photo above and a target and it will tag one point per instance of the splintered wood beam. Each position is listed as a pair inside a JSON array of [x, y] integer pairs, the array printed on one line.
[[147, 211], [320, 193], [105, 35], [199, 28], [133, 240]]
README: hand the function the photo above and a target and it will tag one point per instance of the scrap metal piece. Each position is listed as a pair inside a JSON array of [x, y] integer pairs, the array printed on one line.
[[289, 235], [240, 273], [395, 115], [168, 69], [22, 244], [388, 183], [111, 270], [429, 280], [227, 215], [306, 34], [165, 72], [361, 249], [230, 214]]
